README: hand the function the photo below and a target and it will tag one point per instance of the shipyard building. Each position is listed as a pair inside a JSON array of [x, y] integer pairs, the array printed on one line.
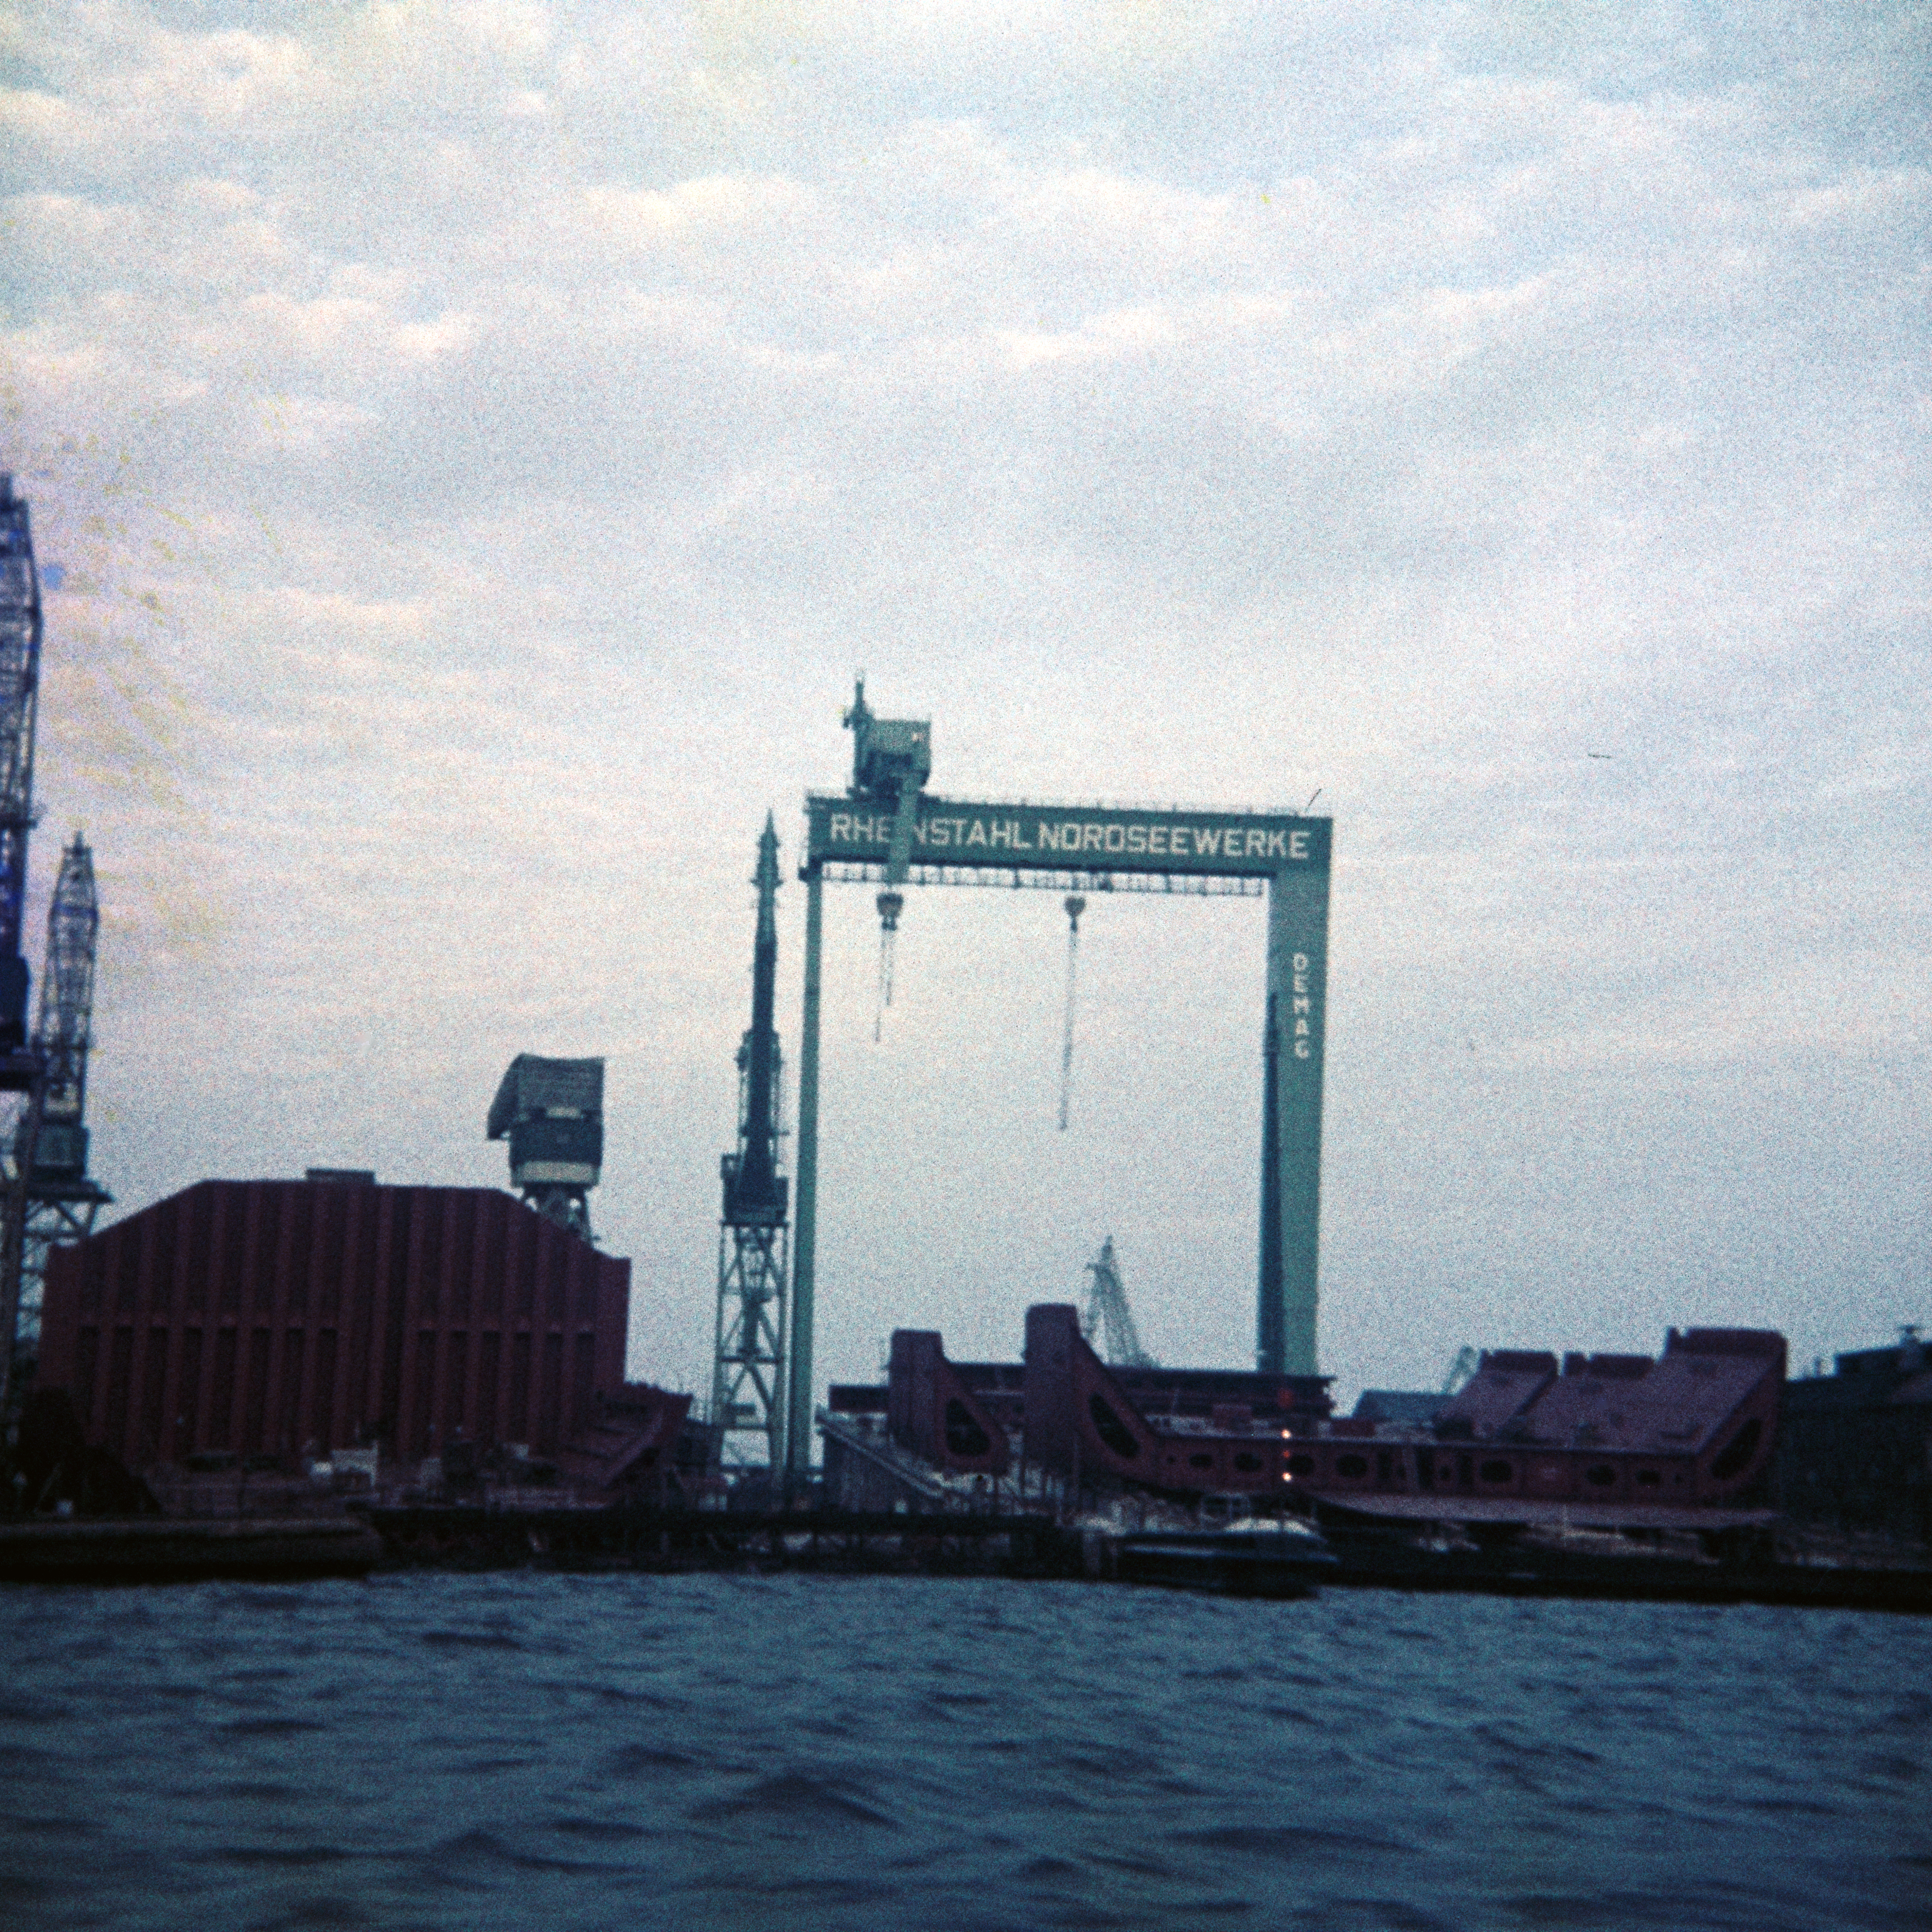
[[1856, 1451], [281, 1317]]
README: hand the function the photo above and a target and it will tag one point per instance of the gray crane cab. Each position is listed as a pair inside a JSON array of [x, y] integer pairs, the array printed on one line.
[[888, 754]]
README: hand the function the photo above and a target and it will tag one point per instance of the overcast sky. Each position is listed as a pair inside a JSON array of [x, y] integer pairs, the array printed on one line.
[[478, 443]]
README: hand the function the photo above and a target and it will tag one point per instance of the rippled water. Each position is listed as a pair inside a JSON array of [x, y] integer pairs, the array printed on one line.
[[533, 1750]]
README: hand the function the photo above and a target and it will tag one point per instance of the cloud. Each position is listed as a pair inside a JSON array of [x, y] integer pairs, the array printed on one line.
[[481, 443]]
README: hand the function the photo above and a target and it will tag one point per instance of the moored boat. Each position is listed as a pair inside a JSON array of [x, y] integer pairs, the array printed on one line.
[[1263, 1556]]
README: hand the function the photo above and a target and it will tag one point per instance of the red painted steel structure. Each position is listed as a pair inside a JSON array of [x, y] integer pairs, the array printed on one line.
[[931, 1411], [270, 1317], [1621, 1439]]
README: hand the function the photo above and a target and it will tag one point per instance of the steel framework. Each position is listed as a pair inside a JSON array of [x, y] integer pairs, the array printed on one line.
[[19, 1066], [1106, 1322], [19, 694], [748, 1382], [62, 1200], [886, 828]]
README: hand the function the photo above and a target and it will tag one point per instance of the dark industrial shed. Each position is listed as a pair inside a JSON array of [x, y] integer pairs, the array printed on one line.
[[280, 1316], [1855, 1451]]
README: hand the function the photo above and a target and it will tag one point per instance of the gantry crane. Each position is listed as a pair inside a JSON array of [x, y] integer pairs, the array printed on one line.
[[62, 1199]]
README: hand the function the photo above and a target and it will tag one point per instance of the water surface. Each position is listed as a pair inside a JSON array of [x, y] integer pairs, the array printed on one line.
[[532, 1750]]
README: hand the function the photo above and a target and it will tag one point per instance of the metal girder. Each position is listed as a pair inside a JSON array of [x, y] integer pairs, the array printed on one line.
[[53, 1220], [748, 1393], [21, 1070]]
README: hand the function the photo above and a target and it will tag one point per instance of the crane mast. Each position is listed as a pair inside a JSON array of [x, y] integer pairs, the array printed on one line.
[[20, 1067], [19, 694], [747, 1392], [61, 1198], [64, 1029]]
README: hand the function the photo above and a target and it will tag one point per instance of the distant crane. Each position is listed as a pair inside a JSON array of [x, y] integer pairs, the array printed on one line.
[[20, 1067], [1106, 1322], [1462, 1370], [551, 1112], [754, 1240], [19, 694], [62, 1199]]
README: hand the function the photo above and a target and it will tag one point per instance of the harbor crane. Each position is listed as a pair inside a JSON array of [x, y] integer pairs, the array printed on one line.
[[19, 694], [62, 1199], [870, 833], [19, 1066], [748, 1386], [1106, 1323], [551, 1112]]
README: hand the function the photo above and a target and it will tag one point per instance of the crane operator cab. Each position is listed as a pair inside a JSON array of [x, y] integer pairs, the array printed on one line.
[[892, 759], [888, 754]]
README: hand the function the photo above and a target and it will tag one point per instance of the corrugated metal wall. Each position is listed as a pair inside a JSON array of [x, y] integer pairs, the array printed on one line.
[[267, 1316]]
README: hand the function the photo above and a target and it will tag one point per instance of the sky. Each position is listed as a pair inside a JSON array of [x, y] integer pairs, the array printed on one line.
[[478, 444]]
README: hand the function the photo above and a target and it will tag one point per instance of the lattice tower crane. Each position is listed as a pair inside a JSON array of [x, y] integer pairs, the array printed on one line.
[[748, 1381], [19, 692], [20, 1067], [1106, 1322], [62, 1199]]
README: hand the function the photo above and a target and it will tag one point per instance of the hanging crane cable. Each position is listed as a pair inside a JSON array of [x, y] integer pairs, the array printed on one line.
[[1075, 906], [890, 905]]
